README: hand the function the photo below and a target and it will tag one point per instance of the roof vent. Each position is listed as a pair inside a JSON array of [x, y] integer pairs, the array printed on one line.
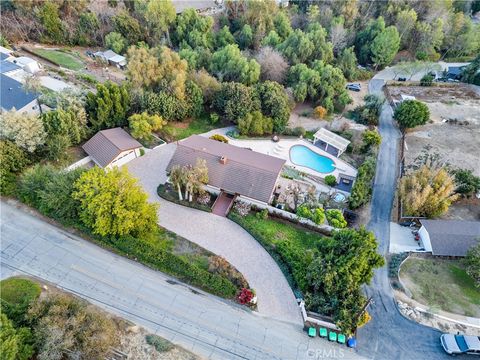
[[223, 160]]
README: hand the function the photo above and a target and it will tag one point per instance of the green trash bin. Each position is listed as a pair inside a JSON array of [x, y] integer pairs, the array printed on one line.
[[323, 332], [341, 339], [312, 332], [332, 336]]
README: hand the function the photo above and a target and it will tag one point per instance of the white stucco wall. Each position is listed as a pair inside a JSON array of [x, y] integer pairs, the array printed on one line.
[[425, 238]]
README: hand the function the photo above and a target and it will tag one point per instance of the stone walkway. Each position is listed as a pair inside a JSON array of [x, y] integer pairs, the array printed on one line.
[[221, 236]]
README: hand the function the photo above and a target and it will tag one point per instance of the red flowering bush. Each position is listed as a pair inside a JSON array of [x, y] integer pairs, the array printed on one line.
[[245, 296]]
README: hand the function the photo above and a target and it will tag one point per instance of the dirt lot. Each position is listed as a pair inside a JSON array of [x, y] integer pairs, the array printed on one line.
[[445, 101], [449, 142]]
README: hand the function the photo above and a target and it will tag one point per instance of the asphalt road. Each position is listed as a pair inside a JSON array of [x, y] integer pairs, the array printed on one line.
[[201, 323], [390, 335]]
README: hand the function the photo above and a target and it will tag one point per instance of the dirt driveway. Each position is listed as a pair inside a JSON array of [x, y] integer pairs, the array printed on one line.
[[220, 236]]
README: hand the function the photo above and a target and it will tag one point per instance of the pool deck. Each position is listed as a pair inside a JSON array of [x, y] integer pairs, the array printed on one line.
[[281, 150]]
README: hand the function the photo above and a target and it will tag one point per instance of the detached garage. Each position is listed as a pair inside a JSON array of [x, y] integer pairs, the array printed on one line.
[[112, 147], [450, 238]]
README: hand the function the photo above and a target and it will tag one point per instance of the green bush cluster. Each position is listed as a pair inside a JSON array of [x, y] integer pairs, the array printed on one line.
[[335, 218], [362, 189], [152, 254], [160, 344], [316, 214], [330, 180]]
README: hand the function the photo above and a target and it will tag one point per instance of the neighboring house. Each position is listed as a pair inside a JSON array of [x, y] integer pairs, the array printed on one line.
[[112, 58], [28, 64], [112, 147], [5, 54], [330, 142], [13, 96], [451, 238], [231, 169], [8, 68]]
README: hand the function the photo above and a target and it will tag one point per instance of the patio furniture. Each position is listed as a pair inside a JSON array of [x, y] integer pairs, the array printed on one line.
[[332, 336], [341, 339], [312, 332], [323, 332]]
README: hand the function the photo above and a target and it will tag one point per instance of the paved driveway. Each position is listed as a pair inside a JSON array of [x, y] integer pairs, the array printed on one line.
[[202, 323], [389, 335], [221, 236]]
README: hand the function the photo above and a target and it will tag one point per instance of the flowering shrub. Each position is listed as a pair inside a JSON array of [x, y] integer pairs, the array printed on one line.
[[204, 198], [242, 208], [245, 296]]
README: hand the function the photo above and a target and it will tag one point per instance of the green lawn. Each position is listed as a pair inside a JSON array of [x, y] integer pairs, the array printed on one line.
[[441, 284], [60, 58], [17, 290], [291, 246], [181, 130]]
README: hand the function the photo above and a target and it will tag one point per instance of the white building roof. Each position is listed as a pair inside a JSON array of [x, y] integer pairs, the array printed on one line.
[[4, 50], [119, 59], [332, 139]]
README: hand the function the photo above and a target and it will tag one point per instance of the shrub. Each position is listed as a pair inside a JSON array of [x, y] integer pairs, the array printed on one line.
[[335, 218], [16, 296], [371, 138], [245, 296], [426, 80], [296, 131], [160, 344], [214, 118], [220, 138], [362, 189], [242, 208], [330, 180], [320, 112], [12, 161], [255, 124], [317, 215], [220, 266], [204, 198], [263, 214]]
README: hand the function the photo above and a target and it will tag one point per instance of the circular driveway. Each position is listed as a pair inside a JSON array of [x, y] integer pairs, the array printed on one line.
[[220, 236]]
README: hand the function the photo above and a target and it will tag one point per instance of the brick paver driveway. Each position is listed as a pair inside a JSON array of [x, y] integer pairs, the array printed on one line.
[[221, 236]]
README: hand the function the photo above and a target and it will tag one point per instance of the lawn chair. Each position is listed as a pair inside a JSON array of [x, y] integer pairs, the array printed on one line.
[[341, 339], [332, 336], [312, 332], [323, 332]]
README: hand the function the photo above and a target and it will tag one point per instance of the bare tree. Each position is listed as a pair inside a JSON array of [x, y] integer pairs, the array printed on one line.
[[273, 65], [338, 37]]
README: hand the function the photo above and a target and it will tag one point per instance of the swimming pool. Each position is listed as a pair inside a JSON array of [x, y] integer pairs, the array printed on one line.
[[303, 156]]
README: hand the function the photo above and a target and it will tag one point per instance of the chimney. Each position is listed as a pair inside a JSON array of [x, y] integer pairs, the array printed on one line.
[[223, 160]]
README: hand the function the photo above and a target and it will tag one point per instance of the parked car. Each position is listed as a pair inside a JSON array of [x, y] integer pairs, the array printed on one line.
[[354, 87], [460, 344], [401, 78]]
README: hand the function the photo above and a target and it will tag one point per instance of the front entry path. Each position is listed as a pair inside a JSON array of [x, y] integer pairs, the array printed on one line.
[[220, 236], [223, 204]]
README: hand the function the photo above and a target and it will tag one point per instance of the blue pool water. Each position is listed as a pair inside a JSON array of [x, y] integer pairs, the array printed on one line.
[[303, 156]]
